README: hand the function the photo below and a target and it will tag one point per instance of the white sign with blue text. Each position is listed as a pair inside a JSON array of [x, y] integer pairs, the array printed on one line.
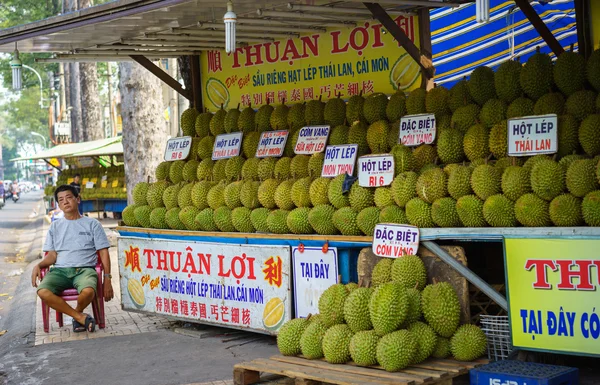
[[533, 135], [314, 271], [339, 160], [178, 148], [393, 241], [376, 170], [312, 139], [417, 129], [227, 145]]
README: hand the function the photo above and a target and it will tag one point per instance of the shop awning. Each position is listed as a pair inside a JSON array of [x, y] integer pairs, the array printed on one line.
[[66, 150], [115, 148]]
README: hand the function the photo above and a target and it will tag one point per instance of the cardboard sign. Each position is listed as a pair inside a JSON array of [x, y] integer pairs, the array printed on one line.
[[314, 272], [533, 135], [339, 160], [178, 148], [376, 170], [227, 146], [417, 129], [393, 241], [272, 144], [312, 139]]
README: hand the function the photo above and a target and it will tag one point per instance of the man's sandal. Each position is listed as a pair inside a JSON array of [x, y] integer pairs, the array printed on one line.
[[77, 327], [90, 323]]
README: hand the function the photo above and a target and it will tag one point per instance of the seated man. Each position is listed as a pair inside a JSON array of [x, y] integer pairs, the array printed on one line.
[[71, 246]]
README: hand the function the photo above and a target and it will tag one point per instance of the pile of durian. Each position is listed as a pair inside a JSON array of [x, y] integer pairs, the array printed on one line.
[[465, 179]]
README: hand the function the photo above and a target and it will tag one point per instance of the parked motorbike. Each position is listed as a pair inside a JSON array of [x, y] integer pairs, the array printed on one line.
[[15, 197]]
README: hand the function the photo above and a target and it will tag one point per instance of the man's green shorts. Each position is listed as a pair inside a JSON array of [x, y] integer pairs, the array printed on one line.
[[62, 278]]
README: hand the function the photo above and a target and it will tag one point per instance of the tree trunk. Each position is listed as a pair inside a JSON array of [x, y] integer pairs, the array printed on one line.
[[91, 115], [76, 121], [144, 128], [1, 165]]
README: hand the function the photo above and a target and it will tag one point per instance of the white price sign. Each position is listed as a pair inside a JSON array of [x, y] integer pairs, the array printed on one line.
[[312, 139], [533, 135], [339, 160], [376, 170], [314, 272], [178, 148], [393, 241], [227, 146], [89, 185], [417, 129], [272, 144]]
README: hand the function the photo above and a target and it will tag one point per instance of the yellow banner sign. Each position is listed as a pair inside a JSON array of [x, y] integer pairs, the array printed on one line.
[[345, 62], [554, 294]]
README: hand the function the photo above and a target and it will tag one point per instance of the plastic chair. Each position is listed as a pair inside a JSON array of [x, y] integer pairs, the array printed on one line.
[[72, 294]]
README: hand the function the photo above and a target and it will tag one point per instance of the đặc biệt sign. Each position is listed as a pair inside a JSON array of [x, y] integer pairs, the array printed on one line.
[[554, 294], [238, 286]]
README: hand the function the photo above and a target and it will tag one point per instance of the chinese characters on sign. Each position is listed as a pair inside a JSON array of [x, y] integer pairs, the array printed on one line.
[[178, 148]]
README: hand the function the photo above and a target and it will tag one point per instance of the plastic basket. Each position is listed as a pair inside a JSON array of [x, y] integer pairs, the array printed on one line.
[[497, 331]]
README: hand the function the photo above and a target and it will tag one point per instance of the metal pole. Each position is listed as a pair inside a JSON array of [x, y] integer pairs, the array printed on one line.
[[41, 85], [467, 273]]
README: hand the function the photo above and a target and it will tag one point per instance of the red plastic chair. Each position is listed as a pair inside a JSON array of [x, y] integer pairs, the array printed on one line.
[[72, 294]]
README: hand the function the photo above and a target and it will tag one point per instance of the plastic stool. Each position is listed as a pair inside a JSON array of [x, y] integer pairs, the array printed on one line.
[[523, 373]]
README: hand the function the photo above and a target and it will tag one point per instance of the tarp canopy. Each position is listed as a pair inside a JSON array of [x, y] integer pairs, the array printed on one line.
[[66, 150], [115, 148]]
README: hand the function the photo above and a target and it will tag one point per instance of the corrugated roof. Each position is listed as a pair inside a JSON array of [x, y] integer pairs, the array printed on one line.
[[115, 148], [66, 150]]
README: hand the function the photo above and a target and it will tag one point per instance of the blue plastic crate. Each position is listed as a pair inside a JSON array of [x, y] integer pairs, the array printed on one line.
[[523, 373]]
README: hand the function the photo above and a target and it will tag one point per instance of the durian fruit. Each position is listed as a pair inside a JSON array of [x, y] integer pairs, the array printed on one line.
[[515, 182], [468, 343], [441, 308], [459, 95], [529, 163], [589, 135], [204, 169], [344, 220], [172, 219], [295, 117], [250, 144], [249, 194], [205, 147], [499, 211], [360, 197], [568, 135], [240, 218], [565, 211], [231, 194], [424, 154], [335, 112], [311, 340], [409, 271], [291, 142], [176, 171], [246, 121], [481, 85], [331, 305], [498, 141], [581, 177], [444, 214], [363, 348], [142, 215], [590, 208], [476, 141], [318, 191], [231, 120], [388, 307], [189, 171], [233, 168], [266, 168], [396, 107], [383, 197], [155, 194], [162, 171], [258, 217], [567, 160], [569, 72], [202, 125], [450, 146], [552, 103], [593, 69], [506, 80], [297, 221], [459, 182], [382, 272], [377, 136], [415, 102], [315, 164], [418, 213], [403, 159], [262, 119], [436, 101], [184, 196], [205, 220], [338, 135], [354, 109], [356, 308], [537, 75], [277, 222], [266, 193], [404, 188], [200, 194], [532, 211], [520, 107], [141, 190], [426, 340], [503, 163], [278, 120], [320, 219], [300, 192], [288, 337], [157, 218], [547, 179], [465, 117], [493, 112], [299, 166], [215, 198], [470, 211], [219, 170], [486, 181], [217, 123], [282, 168], [432, 185], [450, 167], [581, 104], [414, 306], [396, 351], [314, 113], [188, 121], [358, 135], [187, 216], [283, 195], [442, 348], [335, 193], [367, 219], [250, 169], [336, 344], [222, 217]]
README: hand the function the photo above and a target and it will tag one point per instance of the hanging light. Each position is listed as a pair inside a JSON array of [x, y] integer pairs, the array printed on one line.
[[16, 65], [230, 19]]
